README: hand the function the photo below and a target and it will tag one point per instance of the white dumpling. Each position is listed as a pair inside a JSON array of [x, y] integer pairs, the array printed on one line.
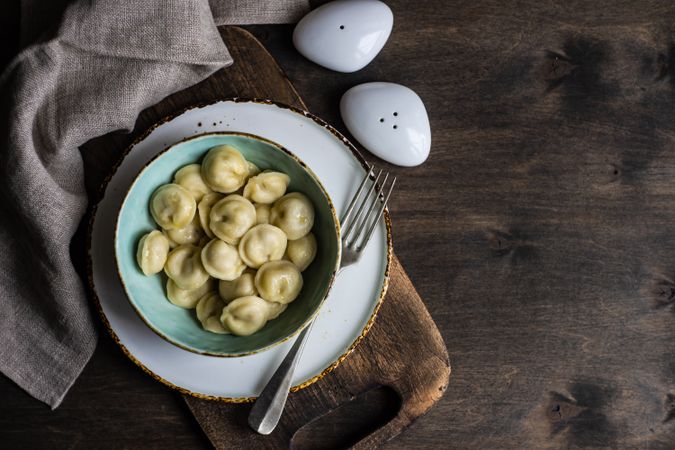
[[267, 187], [231, 218], [204, 209], [240, 287], [224, 169], [245, 315], [209, 309], [190, 177], [253, 170], [302, 252], [262, 243], [294, 214], [184, 267], [153, 249], [172, 206], [190, 234], [187, 298], [262, 213], [275, 309], [222, 261], [278, 281]]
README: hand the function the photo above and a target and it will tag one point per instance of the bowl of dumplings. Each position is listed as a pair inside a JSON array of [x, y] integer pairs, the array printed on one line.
[[227, 244]]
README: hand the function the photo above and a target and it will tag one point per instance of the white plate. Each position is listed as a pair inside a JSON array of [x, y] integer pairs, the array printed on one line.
[[344, 318]]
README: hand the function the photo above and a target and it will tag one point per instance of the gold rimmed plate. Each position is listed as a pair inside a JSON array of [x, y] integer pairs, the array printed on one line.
[[348, 312]]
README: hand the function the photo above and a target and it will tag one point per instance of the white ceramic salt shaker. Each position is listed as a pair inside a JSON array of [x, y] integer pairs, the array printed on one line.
[[389, 120], [344, 35]]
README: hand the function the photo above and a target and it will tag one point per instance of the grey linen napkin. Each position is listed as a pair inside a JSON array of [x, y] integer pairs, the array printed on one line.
[[106, 61]]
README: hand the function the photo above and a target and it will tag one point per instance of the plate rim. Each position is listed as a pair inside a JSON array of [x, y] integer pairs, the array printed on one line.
[[101, 194], [302, 164]]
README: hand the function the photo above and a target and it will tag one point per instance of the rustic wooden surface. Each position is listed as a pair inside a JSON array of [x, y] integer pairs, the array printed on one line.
[[541, 232]]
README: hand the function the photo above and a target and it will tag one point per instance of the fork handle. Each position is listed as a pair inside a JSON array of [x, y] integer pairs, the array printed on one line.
[[269, 406]]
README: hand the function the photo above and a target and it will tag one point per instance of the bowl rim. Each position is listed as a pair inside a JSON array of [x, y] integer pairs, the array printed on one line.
[[313, 176]]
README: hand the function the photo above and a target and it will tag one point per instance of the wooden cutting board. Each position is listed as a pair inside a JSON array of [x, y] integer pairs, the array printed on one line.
[[394, 376]]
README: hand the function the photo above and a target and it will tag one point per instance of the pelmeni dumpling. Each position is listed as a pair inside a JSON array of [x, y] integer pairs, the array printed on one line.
[[209, 309], [172, 206], [187, 298], [301, 252], [224, 169], [262, 243], [190, 177], [267, 187], [275, 309], [184, 267], [278, 281], [245, 315], [190, 234], [204, 209], [253, 170], [240, 287], [221, 260], [294, 214], [231, 218], [153, 249], [262, 213]]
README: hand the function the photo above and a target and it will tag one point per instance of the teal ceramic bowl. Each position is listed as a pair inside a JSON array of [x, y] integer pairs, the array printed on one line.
[[147, 294]]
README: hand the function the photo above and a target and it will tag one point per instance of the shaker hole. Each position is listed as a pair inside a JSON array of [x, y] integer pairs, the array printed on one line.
[[381, 119], [395, 127], [395, 114], [342, 27]]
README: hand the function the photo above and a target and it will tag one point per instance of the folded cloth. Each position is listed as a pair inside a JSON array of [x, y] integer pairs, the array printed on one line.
[[104, 63]]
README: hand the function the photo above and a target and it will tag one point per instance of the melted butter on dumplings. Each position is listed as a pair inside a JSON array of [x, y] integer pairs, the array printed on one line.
[[172, 206], [267, 187], [278, 281], [187, 298], [184, 267], [222, 261], [190, 177], [261, 244], [224, 169], [153, 249], [231, 218], [209, 309], [294, 214], [302, 252], [243, 286]]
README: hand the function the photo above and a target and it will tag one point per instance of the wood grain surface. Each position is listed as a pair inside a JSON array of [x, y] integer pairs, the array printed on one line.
[[540, 233]]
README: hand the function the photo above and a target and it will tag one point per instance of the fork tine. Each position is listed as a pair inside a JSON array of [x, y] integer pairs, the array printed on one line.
[[357, 216], [376, 219], [344, 218], [372, 204]]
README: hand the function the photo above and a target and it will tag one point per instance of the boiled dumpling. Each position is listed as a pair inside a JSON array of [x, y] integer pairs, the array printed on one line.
[[184, 267], [153, 249], [221, 260], [187, 298], [262, 213], [267, 187], [204, 209], [240, 287], [190, 177], [262, 243], [301, 252], [278, 281], [224, 169], [231, 218], [245, 315], [172, 206], [209, 309], [294, 214], [190, 234], [253, 170], [275, 309]]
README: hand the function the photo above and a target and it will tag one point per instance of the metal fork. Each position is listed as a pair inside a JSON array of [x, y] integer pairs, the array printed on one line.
[[358, 224]]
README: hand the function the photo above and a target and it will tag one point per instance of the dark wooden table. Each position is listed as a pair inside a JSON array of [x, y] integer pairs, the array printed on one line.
[[540, 232]]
